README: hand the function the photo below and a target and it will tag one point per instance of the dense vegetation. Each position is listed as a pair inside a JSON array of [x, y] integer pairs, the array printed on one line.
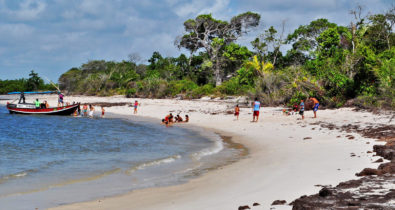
[[33, 83], [336, 64]]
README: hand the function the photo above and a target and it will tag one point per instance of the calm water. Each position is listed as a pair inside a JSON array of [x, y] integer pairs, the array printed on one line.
[[51, 160]]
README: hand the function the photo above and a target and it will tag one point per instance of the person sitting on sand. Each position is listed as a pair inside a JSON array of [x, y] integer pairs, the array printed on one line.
[[179, 118], [256, 107], [301, 109], [169, 118], [295, 108], [186, 118], [315, 107], [237, 112]]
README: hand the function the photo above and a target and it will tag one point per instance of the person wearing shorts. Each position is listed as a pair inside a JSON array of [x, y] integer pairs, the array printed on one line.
[[315, 107], [136, 104], [256, 107], [237, 111], [301, 109], [60, 100]]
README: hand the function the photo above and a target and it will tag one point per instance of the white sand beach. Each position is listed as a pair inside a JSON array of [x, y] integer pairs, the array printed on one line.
[[287, 156]]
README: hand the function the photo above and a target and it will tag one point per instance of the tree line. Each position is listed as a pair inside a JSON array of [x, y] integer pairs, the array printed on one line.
[[33, 83], [334, 63]]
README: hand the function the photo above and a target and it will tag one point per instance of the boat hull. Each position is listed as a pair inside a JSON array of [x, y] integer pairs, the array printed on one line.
[[64, 110]]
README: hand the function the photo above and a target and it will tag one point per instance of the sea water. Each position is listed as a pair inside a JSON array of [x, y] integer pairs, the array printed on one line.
[[47, 161]]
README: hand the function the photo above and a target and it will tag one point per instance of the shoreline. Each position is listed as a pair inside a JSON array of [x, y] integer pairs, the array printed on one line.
[[288, 157]]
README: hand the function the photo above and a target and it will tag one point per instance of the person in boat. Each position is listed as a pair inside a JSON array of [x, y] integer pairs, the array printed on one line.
[[60, 100], [43, 105], [37, 103], [22, 98]]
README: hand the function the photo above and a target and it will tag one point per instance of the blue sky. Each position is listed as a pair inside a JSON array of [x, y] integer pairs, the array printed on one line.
[[52, 36]]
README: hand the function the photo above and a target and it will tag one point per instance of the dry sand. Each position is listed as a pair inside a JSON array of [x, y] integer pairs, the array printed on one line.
[[287, 158]]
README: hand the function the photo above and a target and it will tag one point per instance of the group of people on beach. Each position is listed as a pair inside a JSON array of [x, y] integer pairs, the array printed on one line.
[[301, 108], [256, 106], [87, 111], [170, 119]]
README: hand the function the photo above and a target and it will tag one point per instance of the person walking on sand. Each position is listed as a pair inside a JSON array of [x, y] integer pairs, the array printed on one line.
[[301, 109], [256, 107], [315, 107], [102, 111], [237, 112], [136, 104]]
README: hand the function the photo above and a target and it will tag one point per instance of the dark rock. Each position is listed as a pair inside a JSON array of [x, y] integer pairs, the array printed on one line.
[[379, 160], [305, 138], [368, 172], [325, 192], [279, 202], [244, 207]]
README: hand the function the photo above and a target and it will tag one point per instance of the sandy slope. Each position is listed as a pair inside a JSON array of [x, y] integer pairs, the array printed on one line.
[[281, 165]]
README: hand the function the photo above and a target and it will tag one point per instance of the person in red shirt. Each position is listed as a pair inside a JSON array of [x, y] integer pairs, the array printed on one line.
[[237, 111], [136, 104]]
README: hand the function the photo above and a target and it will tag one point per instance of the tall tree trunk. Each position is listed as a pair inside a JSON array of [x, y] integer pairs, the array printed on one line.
[[217, 72]]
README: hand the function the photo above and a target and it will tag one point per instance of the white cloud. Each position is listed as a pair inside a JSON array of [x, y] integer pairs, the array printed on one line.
[[52, 36], [28, 10]]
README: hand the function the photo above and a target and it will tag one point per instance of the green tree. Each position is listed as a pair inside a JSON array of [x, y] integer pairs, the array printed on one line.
[[34, 82], [213, 35]]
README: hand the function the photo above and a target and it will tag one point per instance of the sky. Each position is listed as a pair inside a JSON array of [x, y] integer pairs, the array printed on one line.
[[52, 36]]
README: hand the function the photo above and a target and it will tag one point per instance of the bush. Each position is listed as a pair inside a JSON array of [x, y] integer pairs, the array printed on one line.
[[181, 86], [131, 92], [231, 87], [204, 90]]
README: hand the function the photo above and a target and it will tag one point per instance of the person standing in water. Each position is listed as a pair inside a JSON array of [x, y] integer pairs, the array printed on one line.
[[102, 111], [91, 109], [315, 107], [256, 107]]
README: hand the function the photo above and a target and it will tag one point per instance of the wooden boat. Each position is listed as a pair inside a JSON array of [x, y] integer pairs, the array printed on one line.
[[24, 108]]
